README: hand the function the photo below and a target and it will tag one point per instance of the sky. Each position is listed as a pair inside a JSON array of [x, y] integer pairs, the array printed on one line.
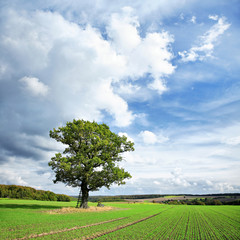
[[164, 73]]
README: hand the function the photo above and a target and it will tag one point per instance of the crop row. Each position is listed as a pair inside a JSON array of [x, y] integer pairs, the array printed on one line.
[[223, 225], [182, 222], [162, 225], [94, 231]]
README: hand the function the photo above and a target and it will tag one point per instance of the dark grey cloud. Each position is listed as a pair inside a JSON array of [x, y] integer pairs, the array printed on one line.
[[17, 148]]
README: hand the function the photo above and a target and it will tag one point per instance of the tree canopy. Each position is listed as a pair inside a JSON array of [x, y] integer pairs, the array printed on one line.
[[23, 192], [90, 160]]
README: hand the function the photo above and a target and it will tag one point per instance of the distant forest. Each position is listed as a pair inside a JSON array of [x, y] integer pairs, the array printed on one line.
[[189, 199], [22, 192], [121, 198], [149, 196]]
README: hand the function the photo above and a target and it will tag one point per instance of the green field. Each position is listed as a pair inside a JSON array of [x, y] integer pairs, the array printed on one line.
[[29, 219], [173, 196]]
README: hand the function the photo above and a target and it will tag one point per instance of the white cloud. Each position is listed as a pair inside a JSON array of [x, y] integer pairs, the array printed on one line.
[[34, 86], [178, 179], [127, 89], [149, 137], [154, 55], [224, 187], [10, 177], [79, 60], [114, 104], [193, 19], [232, 140], [209, 183], [206, 42], [158, 85], [220, 187], [123, 31], [197, 154], [156, 182], [213, 17], [181, 16], [225, 135], [171, 184], [151, 54], [76, 63], [126, 135]]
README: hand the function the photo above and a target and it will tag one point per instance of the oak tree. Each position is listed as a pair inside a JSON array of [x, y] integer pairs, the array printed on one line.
[[90, 159]]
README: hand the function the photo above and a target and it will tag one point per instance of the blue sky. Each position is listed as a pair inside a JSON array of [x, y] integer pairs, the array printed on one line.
[[163, 73]]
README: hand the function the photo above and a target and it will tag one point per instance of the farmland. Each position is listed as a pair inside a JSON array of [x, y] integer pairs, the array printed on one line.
[[30, 219]]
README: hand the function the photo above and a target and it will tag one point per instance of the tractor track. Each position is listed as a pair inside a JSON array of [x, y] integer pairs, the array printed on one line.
[[96, 235], [67, 230], [100, 234]]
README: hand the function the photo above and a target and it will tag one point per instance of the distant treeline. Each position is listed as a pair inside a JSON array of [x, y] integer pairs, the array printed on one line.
[[106, 199], [121, 198], [22, 192], [213, 194], [204, 201]]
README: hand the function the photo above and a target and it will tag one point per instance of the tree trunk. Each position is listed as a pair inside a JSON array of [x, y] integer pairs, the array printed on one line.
[[85, 194]]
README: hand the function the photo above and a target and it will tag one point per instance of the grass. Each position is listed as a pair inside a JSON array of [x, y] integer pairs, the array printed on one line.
[[28, 219], [173, 196]]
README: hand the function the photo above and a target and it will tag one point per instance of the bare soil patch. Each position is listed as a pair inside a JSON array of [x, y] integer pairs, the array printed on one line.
[[78, 210]]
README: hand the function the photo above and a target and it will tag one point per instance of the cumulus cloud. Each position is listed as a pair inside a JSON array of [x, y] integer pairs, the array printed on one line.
[[64, 56], [123, 30], [220, 187], [181, 16], [173, 184], [149, 137], [225, 187], [126, 135], [34, 86], [193, 19], [197, 154], [127, 89], [10, 177], [143, 55], [213, 17], [178, 178], [206, 42], [158, 85]]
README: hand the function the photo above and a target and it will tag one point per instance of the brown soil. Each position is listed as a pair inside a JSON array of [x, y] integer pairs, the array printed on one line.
[[78, 210]]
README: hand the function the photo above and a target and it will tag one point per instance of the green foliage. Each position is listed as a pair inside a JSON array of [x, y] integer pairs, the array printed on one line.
[[22, 192], [90, 159], [63, 198], [206, 201], [235, 202], [121, 198]]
